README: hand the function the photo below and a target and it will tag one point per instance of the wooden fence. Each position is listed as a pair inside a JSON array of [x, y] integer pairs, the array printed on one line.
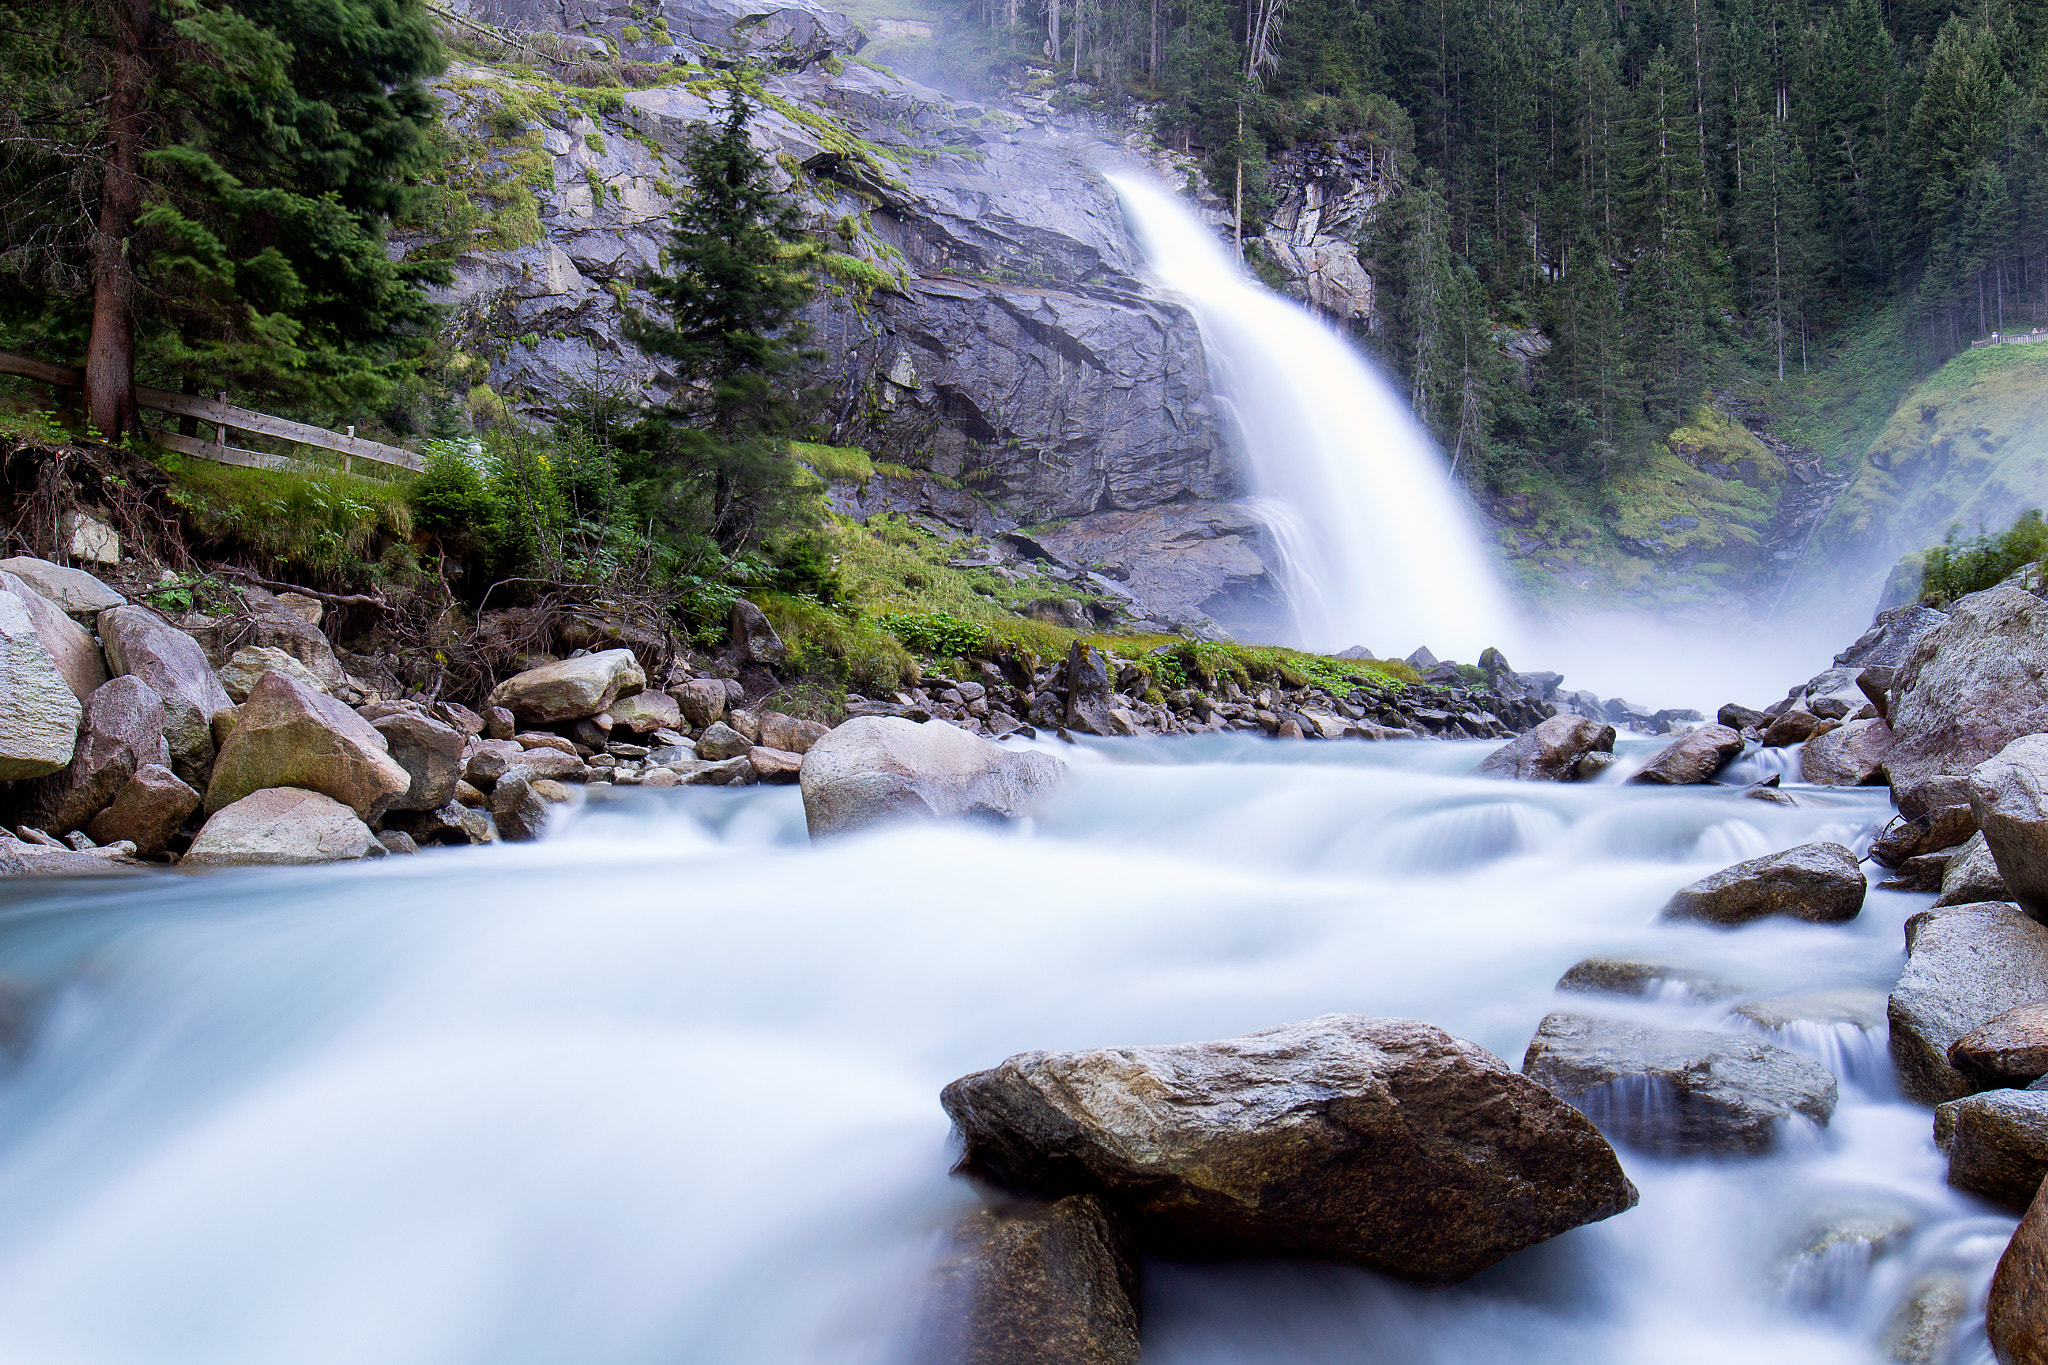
[[225, 418]]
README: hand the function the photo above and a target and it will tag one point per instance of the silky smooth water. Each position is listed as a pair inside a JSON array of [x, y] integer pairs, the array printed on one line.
[[664, 1087], [1376, 545]]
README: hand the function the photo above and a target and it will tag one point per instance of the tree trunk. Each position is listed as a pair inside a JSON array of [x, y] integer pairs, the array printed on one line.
[[110, 349], [1053, 10]]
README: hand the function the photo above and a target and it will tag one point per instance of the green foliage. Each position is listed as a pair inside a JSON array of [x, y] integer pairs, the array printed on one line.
[[1953, 569], [835, 464], [936, 633], [320, 519]]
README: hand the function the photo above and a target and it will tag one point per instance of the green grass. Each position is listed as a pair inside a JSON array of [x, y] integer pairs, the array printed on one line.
[[320, 519], [835, 464]]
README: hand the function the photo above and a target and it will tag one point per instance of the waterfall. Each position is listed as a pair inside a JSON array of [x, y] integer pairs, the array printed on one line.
[[1375, 545]]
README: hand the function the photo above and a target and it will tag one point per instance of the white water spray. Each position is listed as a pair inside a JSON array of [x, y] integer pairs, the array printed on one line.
[[1376, 546]]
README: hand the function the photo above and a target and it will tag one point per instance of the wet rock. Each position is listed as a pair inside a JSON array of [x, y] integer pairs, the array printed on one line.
[[431, 754], [39, 713], [1381, 1142], [2009, 796], [1921, 872], [123, 729], [753, 639], [20, 860], [729, 772], [776, 766], [397, 841], [1997, 1144], [138, 643], [1090, 696], [1971, 685], [251, 662], [1738, 717], [789, 734], [1964, 965], [2009, 1048], [1971, 876], [702, 701], [1590, 766], [279, 825], [289, 735], [1034, 1284], [1809, 1269], [453, 823], [1693, 757], [874, 769], [1922, 1327], [645, 712], [1851, 756], [75, 590], [722, 741], [151, 806], [571, 688], [72, 649], [2016, 1312], [1820, 883], [1875, 683], [1795, 726], [519, 811], [1865, 1008], [488, 760], [1551, 752], [1927, 828], [1644, 978], [1678, 1092]]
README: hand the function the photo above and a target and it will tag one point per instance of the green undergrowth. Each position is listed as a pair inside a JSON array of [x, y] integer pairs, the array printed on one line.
[[318, 519]]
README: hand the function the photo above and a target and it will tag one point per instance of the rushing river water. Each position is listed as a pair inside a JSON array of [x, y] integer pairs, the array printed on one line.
[[664, 1087]]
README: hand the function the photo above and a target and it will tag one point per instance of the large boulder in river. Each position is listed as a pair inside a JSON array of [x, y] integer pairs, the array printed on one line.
[[279, 825], [571, 688], [1550, 752], [1693, 757], [147, 811], [74, 590], [72, 649], [1821, 883], [39, 713], [1971, 686], [429, 751], [141, 643], [1964, 965], [2009, 797], [288, 735], [1997, 1144], [1678, 1092], [2016, 1313], [1971, 875], [1381, 1142], [880, 768], [1027, 1283], [123, 729], [1851, 755]]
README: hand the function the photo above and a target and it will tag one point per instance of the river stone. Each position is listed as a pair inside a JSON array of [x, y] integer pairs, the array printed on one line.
[[2009, 796], [150, 807], [2009, 1048], [1385, 1143], [775, 765], [753, 639], [2016, 1311], [22, 860], [1964, 965], [123, 729], [519, 811], [1971, 875], [1090, 697], [241, 673], [1862, 1006], [572, 688], [789, 734], [1550, 752], [1997, 1144], [453, 823], [72, 648], [645, 711], [1642, 978], [39, 713], [722, 741], [550, 764], [541, 739], [279, 825], [1852, 756], [75, 590], [702, 700], [139, 643], [1034, 1284], [879, 768], [1693, 757], [1821, 883], [1736, 716], [290, 735], [1928, 829], [726, 772], [430, 753], [1793, 727], [1678, 1092], [1921, 1328], [1971, 685], [490, 759]]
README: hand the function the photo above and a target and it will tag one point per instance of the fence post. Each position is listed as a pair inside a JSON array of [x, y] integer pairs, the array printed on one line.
[[348, 459]]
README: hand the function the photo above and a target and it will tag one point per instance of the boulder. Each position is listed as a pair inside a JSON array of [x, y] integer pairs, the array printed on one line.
[[453, 823], [1591, 766], [646, 711], [1646, 979], [551, 764], [1736, 716], [1033, 1284], [789, 734], [1971, 875], [541, 739], [1963, 966], [722, 741], [71, 647], [457, 715], [397, 841], [123, 730], [1678, 1092], [745, 722], [1997, 1144], [241, 673], [267, 622], [1891, 637], [775, 765], [2009, 797], [702, 700], [1385, 1143], [289, 735], [1932, 825], [1693, 757], [279, 825], [1931, 796], [1820, 883], [21, 860], [39, 713], [753, 639], [150, 807], [1851, 756], [1090, 696], [1971, 685], [2009, 1048], [877, 768], [431, 754], [1795, 726], [141, 644], [490, 759], [75, 590], [519, 811], [1875, 683], [2016, 1311], [1550, 752], [571, 688], [499, 723]]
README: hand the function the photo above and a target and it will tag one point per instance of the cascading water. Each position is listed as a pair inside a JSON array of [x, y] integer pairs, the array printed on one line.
[[1376, 545], [664, 1087]]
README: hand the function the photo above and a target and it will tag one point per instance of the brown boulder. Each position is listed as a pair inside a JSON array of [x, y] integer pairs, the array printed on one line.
[[1693, 757], [2016, 1313], [288, 735], [1997, 1144], [1850, 756], [1033, 1284], [1821, 883], [701, 700], [646, 711], [570, 689], [776, 766], [1793, 727], [789, 734], [1550, 752], [2009, 1048], [148, 810]]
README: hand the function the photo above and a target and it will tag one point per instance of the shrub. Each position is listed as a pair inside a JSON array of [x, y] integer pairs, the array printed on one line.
[[937, 632], [1956, 570]]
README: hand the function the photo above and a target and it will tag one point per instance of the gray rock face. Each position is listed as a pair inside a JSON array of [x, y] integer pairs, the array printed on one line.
[[1184, 563], [1851, 756], [1971, 876], [39, 714], [175, 667], [572, 688], [2009, 797], [875, 769], [1891, 637], [1034, 1284], [289, 735], [1820, 883], [1971, 685], [75, 590], [280, 825], [2009, 1048], [147, 811], [1963, 966], [430, 753], [1997, 1144], [123, 730], [72, 649], [1551, 751], [1678, 1092], [1382, 1142], [1693, 757]]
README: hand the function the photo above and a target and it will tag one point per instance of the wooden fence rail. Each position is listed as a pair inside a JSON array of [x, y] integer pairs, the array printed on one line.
[[225, 417]]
